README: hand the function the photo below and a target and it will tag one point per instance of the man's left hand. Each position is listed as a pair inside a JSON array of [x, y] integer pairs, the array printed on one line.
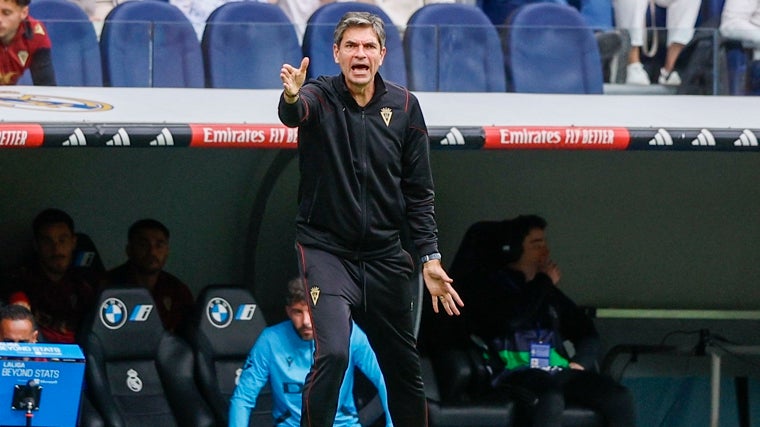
[[439, 286]]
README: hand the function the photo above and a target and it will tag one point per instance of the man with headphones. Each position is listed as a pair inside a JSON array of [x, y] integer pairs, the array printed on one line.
[[524, 319]]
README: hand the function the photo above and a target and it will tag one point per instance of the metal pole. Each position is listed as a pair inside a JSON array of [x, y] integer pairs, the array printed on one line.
[[714, 389]]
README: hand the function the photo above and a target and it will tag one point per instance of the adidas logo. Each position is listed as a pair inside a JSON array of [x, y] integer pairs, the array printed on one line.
[[75, 139], [453, 137], [746, 139], [705, 138], [120, 138], [662, 137], [162, 139]]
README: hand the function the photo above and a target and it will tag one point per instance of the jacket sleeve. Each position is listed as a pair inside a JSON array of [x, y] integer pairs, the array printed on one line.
[[41, 68], [417, 182], [364, 359], [252, 380], [301, 111], [586, 351], [530, 301], [507, 304], [577, 327], [574, 325]]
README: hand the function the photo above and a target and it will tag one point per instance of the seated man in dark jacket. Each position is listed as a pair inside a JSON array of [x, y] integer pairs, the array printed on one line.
[[147, 253], [51, 286], [525, 320]]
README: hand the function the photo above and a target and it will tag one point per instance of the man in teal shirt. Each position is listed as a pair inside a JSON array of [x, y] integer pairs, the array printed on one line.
[[282, 356]]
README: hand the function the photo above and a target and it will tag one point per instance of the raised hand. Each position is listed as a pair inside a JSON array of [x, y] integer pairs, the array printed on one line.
[[551, 269], [293, 78]]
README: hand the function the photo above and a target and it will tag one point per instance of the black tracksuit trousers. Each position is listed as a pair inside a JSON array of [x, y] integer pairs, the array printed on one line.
[[379, 294]]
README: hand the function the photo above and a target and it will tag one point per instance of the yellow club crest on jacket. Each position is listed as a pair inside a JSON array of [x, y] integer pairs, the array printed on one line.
[[386, 113], [314, 292]]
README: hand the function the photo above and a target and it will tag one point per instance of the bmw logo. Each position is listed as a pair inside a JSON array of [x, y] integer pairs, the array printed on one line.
[[219, 312], [113, 313]]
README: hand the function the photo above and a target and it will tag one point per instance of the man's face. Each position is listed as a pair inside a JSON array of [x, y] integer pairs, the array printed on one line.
[[359, 56], [148, 251], [535, 248], [11, 16], [17, 331], [299, 315], [55, 247]]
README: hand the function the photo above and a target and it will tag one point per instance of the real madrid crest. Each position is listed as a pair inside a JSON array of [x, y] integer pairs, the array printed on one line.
[[134, 382], [386, 113], [314, 291]]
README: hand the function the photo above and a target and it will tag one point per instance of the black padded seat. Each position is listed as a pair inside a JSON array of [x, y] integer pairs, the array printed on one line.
[[137, 373], [222, 328]]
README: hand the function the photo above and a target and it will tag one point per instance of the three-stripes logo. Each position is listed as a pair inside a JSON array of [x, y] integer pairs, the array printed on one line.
[[120, 138], [220, 314], [453, 137], [662, 137], [77, 138], [746, 139], [164, 138], [704, 139]]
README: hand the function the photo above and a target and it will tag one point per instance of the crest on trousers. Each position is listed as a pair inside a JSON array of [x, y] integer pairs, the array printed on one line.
[[314, 292], [386, 113]]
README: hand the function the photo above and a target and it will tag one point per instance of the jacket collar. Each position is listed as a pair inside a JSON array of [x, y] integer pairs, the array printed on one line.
[[340, 85]]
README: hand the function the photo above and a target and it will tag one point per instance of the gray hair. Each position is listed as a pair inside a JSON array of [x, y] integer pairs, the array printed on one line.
[[360, 19]]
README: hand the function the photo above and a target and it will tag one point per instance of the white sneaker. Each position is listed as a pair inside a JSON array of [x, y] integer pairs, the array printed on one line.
[[635, 74], [669, 78]]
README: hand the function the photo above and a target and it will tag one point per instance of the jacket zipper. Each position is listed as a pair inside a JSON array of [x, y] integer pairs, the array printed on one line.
[[363, 189], [364, 201]]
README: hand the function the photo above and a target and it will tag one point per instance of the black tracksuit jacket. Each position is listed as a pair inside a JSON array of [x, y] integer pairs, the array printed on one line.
[[365, 171]]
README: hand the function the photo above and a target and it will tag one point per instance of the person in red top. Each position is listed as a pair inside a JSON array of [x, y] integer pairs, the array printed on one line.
[[57, 292], [25, 45], [147, 252]]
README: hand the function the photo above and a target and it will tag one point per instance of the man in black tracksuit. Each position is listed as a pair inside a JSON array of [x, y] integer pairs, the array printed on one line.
[[365, 174]]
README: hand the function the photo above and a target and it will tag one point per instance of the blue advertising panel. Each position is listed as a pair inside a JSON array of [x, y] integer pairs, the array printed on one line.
[[44, 379]]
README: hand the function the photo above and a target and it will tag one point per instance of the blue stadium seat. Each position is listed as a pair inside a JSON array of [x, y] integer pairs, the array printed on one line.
[[453, 48], [318, 41], [245, 44], [551, 49], [150, 44], [75, 53], [598, 14]]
